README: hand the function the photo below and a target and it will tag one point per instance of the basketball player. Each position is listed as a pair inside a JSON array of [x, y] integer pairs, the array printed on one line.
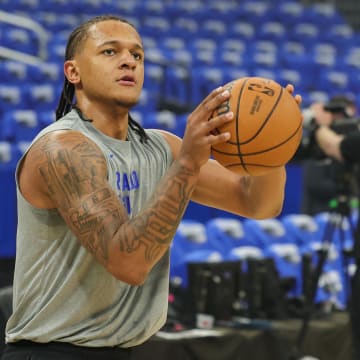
[[99, 200]]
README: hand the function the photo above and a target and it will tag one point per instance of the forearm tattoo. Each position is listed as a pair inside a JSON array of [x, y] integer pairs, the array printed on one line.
[[74, 176], [155, 226]]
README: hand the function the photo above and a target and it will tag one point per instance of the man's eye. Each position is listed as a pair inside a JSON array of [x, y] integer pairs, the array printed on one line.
[[109, 52], [137, 56]]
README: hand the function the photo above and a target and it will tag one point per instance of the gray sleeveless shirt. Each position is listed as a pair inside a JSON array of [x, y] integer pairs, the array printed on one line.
[[61, 293]]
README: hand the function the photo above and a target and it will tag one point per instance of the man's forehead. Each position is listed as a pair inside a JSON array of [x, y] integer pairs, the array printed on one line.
[[112, 28]]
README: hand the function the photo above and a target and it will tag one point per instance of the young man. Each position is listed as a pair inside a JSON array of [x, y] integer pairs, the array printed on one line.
[[99, 200]]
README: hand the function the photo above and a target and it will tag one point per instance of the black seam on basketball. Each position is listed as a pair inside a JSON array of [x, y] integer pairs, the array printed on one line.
[[255, 165], [266, 119], [261, 151], [237, 123]]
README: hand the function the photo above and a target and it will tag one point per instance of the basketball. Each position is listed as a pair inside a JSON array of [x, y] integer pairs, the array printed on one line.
[[266, 129]]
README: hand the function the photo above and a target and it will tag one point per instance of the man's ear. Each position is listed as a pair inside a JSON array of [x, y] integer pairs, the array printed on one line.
[[72, 72]]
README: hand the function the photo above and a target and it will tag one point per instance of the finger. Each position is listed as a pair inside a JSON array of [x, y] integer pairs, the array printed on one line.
[[298, 99], [210, 96], [212, 102], [214, 139], [289, 88], [216, 121]]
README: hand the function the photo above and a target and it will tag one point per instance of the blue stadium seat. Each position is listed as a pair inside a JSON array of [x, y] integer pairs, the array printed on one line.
[[293, 76], [287, 258], [324, 14], [153, 80], [230, 74], [46, 118], [233, 59], [233, 44], [190, 244], [14, 72], [265, 72], [267, 232], [57, 6], [276, 243], [354, 83], [190, 236], [127, 8], [205, 57], [258, 12], [204, 80], [10, 153], [334, 81], [20, 125], [165, 120], [213, 29], [42, 96], [245, 252], [184, 27], [243, 30], [272, 30], [22, 6], [306, 32], [56, 52], [303, 228], [224, 234], [288, 12], [47, 72], [147, 102], [12, 97], [154, 8], [155, 26], [177, 85], [312, 96], [20, 39]]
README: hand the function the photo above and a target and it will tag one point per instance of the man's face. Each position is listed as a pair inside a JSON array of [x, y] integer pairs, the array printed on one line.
[[110, 64]]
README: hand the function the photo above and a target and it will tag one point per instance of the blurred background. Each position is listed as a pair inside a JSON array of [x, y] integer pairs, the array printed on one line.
[[193, 46]]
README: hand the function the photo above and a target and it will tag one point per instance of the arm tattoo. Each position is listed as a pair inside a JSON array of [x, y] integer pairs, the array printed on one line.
[[75, 177], [155, 226]]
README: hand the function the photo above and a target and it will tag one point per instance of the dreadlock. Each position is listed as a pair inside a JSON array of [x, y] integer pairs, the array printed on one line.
[[75, 41]]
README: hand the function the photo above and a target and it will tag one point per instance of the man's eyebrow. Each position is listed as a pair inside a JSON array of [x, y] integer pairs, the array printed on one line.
[[117, 42]]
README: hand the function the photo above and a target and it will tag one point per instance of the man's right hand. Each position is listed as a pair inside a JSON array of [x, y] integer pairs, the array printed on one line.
[[199, 133]]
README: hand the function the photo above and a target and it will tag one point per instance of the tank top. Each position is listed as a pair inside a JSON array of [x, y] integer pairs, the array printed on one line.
[[61, 293]]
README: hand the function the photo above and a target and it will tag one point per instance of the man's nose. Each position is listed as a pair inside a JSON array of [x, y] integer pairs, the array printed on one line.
[[127, 60]]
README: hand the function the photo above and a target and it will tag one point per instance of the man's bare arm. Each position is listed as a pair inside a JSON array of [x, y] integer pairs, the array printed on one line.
[[72, 172]]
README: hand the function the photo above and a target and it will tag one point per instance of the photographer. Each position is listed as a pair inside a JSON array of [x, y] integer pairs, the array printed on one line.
[[321, 173], [346, 148], [338, 146]]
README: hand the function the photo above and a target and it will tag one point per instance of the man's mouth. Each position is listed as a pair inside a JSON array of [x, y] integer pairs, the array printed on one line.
[[127, 80]]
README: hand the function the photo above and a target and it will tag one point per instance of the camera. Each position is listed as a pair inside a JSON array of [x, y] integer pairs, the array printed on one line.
[[342, 123]]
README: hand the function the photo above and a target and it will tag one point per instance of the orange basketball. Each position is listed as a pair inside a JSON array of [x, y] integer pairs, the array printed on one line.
[[266, 129]]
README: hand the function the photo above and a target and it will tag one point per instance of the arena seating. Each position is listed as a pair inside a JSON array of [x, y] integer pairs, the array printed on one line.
[[191, 47]]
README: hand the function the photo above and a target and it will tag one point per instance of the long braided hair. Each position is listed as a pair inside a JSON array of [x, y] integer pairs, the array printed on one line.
[[76, 39]]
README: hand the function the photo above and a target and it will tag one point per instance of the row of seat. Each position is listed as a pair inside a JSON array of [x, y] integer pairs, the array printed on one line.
[[192, 48], [286, 240], [197, 9], [182, 85], [24, 125]]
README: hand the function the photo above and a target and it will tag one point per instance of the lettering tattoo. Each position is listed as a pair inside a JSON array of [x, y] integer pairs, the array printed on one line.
[[155, 226]]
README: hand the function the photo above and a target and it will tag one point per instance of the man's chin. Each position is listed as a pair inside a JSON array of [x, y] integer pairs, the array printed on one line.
[[127, 103]]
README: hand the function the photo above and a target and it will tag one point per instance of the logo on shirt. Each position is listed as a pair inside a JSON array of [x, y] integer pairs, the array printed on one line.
[[125, 183]]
